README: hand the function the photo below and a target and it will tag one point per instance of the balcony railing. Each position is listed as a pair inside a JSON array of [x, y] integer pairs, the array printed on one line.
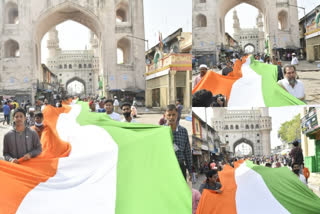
[[171, 60]]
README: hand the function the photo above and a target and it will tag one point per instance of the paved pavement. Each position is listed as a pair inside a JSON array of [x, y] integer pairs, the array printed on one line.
[[311, 81]]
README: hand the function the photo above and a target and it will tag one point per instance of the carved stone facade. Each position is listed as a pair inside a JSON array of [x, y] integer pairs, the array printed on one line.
[[115, 24], [280, 23], [249, 36], [251, 127], [74, 65]]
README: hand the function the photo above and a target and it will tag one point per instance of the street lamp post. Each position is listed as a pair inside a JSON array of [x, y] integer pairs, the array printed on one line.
[[145, 40]]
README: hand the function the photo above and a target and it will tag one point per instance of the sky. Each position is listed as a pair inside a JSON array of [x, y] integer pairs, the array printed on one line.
[[247, 14], [278, 115], [164, 16]]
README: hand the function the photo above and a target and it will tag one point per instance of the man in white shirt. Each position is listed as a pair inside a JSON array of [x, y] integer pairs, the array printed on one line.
[[291, 84], [203, 71], [44, 105], [296, 170], [108, 105], [294, 60], [116, 104], [126, 111]]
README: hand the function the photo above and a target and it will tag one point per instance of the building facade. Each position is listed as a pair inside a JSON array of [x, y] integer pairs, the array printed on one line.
[[253, 37], [168, 71], [310, 138], [115, 23], [310, 35], [280, 25], [205, 142], [74, 65], [251, 127]]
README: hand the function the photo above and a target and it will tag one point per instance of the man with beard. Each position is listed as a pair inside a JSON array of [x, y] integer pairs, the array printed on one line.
[[291, 84], [126, 111], [38, 125], [203, 71], [296, 170]]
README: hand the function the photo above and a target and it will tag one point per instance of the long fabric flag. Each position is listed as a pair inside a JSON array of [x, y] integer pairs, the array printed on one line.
[[251, 83], [92, 164], [252, 189]]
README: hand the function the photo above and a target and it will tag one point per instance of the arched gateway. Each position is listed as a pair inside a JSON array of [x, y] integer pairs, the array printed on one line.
[[23, 72], [251, 127], [210, 39]]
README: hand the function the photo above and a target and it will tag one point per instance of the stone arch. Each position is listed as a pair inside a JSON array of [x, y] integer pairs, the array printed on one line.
[[250, 45], [122, 12], [58, 14], [243, 140], [63, 12], [224, 8], [124, 45], [201, 20], [283, 20], [11, 49], [79, 80], [11, 13]]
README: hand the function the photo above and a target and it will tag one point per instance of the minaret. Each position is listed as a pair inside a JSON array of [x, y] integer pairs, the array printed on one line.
[[53, 43], [236, 23], [265, 132], [261, 32], [94, 43]]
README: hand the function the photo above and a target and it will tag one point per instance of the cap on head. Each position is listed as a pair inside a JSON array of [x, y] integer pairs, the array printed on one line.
[[115, 97], [293, 54], [203, 66]]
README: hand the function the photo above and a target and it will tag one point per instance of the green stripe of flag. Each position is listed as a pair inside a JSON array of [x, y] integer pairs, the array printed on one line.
[[149, 179], [287, 188], [273, 94]]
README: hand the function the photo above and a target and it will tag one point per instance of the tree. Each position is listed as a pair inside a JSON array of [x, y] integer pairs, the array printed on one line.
[[290, 130]]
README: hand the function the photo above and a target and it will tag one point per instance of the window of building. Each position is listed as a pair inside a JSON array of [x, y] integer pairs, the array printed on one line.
[[201, 20], [12, 13], [11, 49], [122, 12], [123, 51], [283, 20]]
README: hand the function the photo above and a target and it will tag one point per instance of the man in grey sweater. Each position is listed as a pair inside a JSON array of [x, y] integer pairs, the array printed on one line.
[[21, 142]]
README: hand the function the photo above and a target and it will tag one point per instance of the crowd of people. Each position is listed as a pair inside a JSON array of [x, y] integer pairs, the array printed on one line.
[[23, 141], [287, 78], [294, 161]]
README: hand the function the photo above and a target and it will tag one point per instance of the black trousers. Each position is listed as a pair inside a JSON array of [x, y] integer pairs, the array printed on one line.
[[7, 118], [183, 170]]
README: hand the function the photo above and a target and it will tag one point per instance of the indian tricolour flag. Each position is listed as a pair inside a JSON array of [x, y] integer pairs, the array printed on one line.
[[253, 189], [92, 164], [251, 83]]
